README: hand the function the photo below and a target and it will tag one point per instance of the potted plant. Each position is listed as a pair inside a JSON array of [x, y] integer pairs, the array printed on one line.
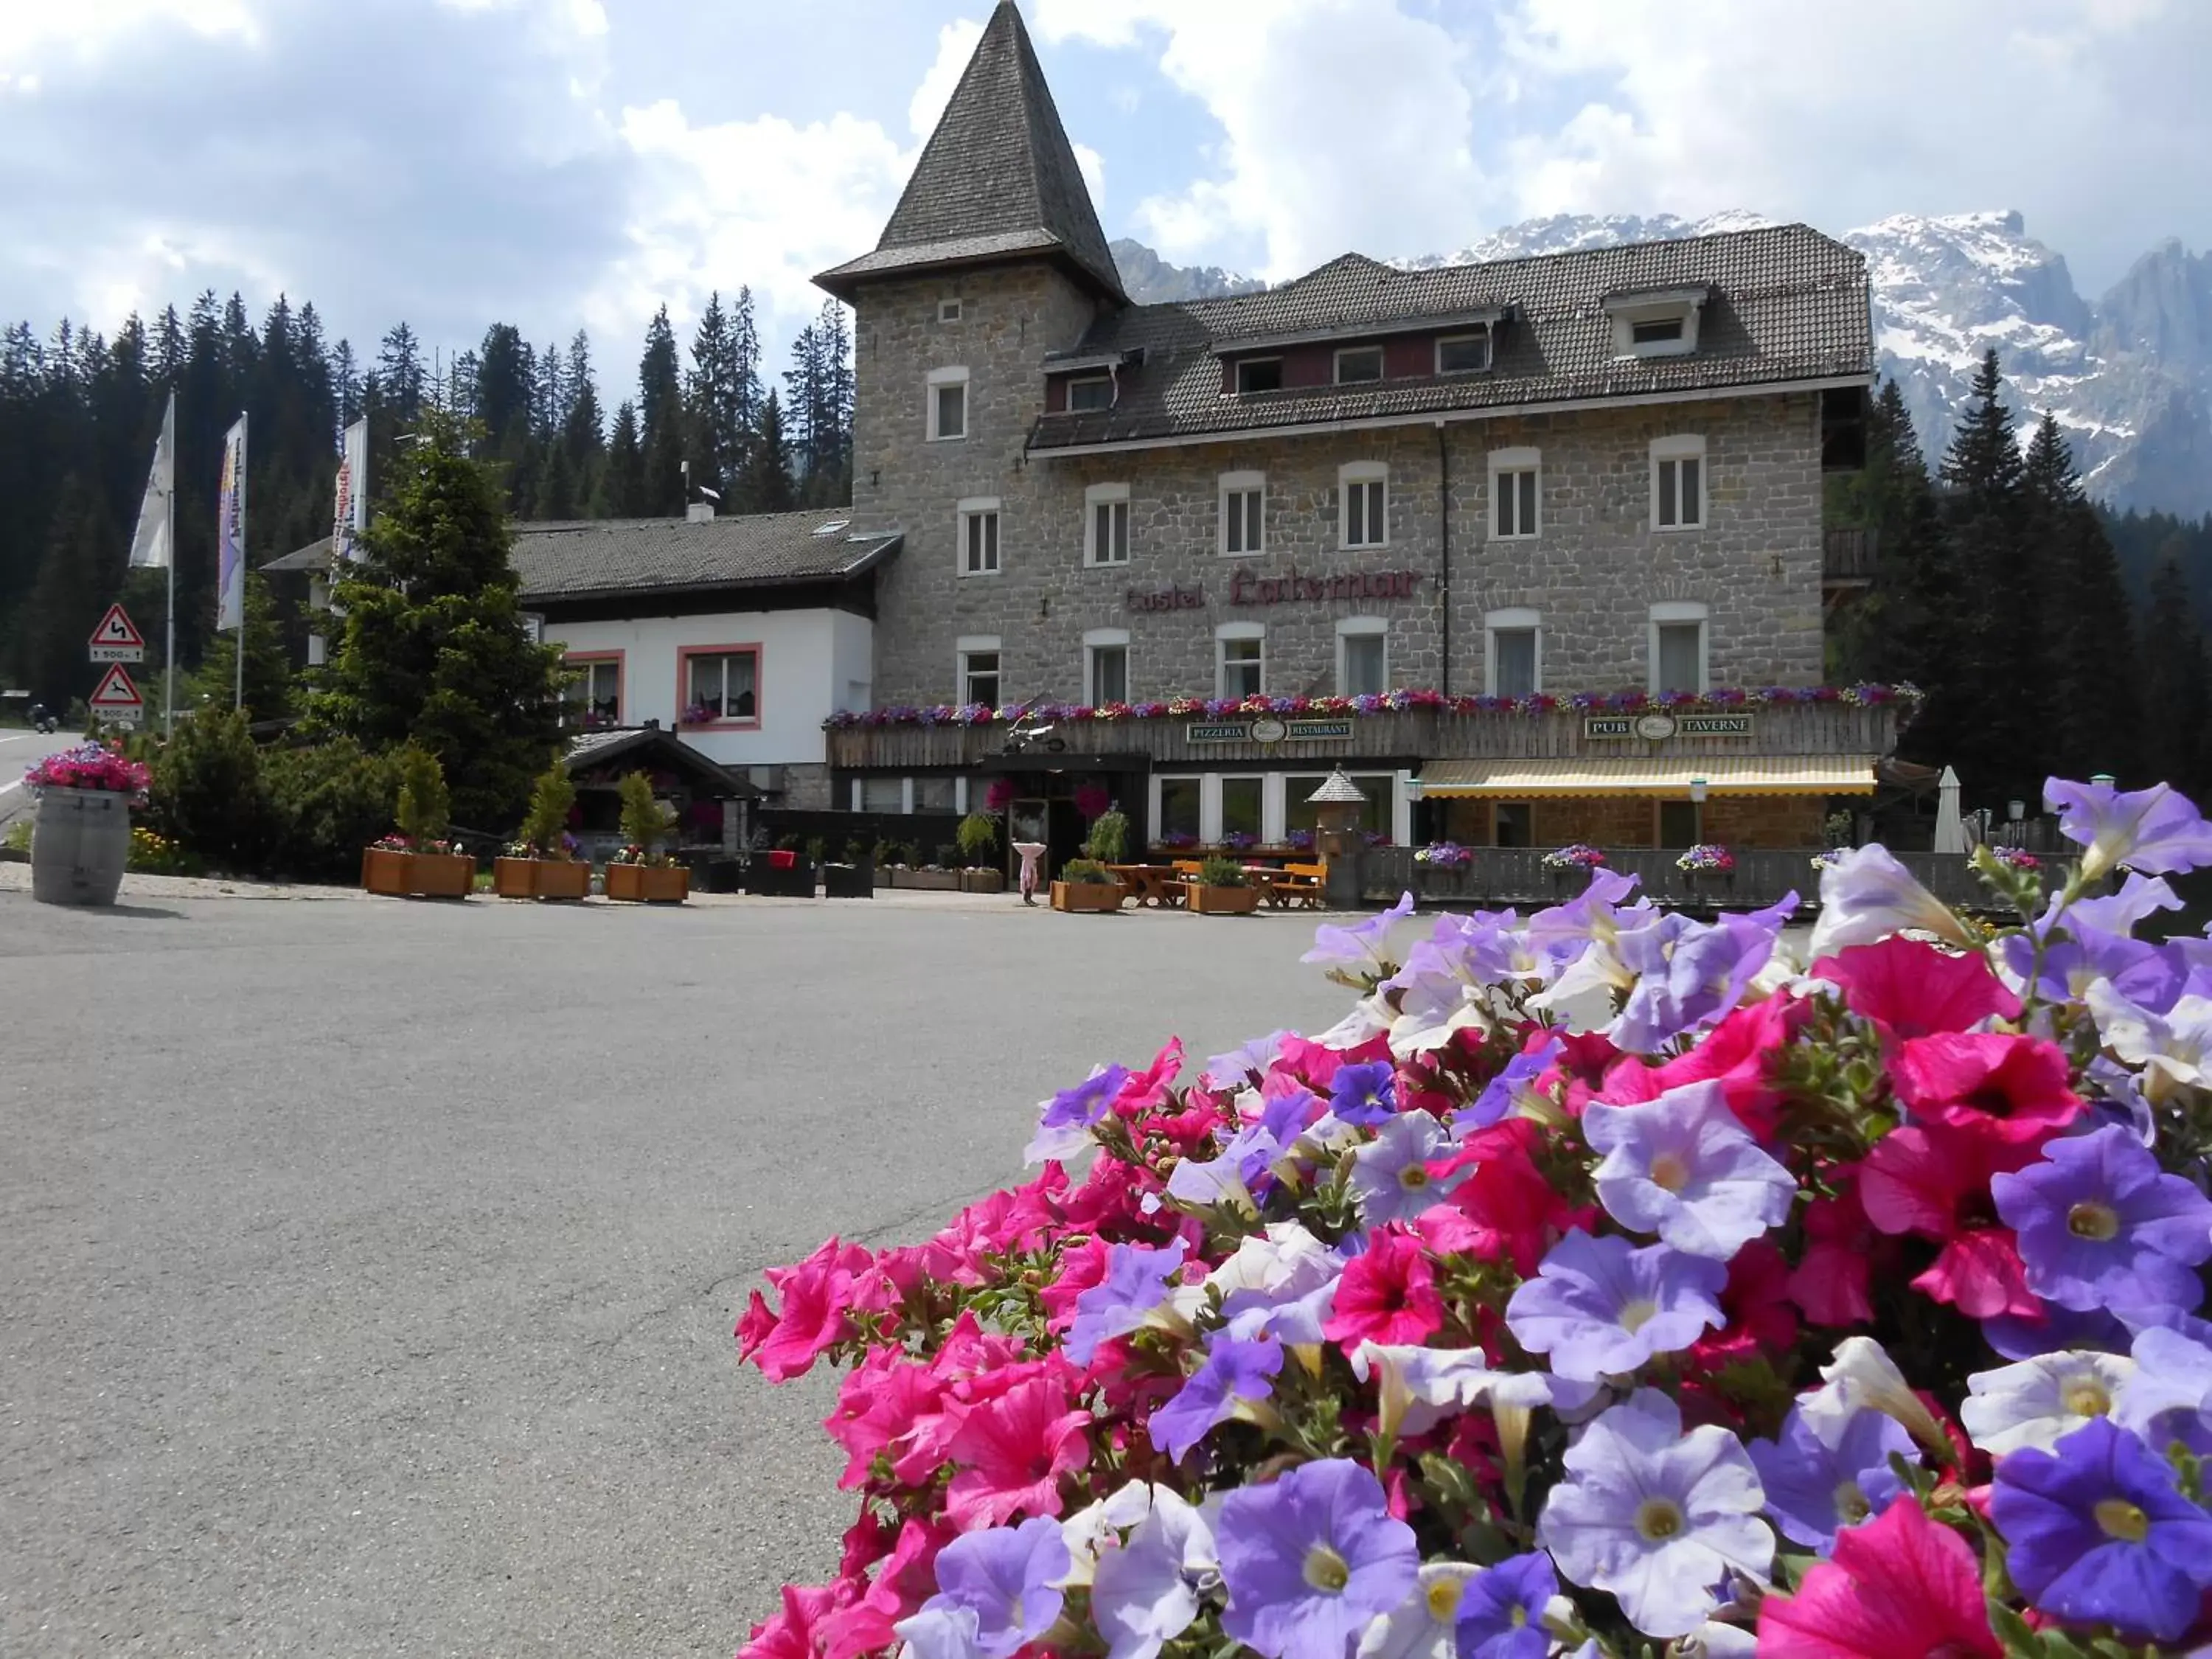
[[979, 840], [1086, 884], [853, 877], [433, 868], [782, 871], [1707, 865], [81, 835], [885, 855], [1109, 841], [542, 861], [1442, 866], [1223, 888], [940, 875], [385, 864], [640, 873]]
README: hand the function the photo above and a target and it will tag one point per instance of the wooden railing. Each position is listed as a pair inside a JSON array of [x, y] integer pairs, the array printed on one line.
[[1848, 556], [1501, 876]]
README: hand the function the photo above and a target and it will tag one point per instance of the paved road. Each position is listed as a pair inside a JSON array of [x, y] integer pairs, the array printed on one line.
[[18, 750], [369, 1268]]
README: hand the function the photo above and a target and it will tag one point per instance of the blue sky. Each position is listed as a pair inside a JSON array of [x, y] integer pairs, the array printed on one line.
[[567, 163]]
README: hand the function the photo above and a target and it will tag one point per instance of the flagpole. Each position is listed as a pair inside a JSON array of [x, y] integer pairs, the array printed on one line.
[[238, 701], [169, 647]]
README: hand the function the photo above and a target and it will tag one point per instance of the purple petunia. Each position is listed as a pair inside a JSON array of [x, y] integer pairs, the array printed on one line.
[[1310, 1560], [1822, 1478], [2101, 1226], [1363, 1094], [1391, 1176], [2155, 829], [1137, 1281], [1354, 954], [2098, 1531], [1504, 1091], [1233, 1370], [1689, 974], [1501, 1611], [1006, 1579], [1683, 1166], [1601, 1307], [1064, 1121]]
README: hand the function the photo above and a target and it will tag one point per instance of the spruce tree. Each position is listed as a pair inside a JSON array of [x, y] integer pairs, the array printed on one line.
[[268, 662], [2177, 687], [622, 481], [432, 650], [2090, 633], [557, 487], [768, 484], [78, 578], [582, 432]]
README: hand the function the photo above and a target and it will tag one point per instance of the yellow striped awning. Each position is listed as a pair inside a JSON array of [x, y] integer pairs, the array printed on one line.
[[1667, 778]]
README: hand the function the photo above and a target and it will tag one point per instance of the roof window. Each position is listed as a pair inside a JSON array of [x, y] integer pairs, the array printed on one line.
[[1259, 374], [1463, 354], [1660, 323], [1090, 391]]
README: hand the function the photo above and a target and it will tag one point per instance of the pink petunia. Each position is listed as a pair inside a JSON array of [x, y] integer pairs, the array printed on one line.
[[1911, 988], [1832, 1280], [1012, 1451], [1507, 1210], [817, 1294], [1387, 1296], [907, 1578], [1081, 1266], [1147, 1090], [879, 1402], [1761, 1318], [2018, 1083], [1899, 1584], [792, 1632], [1933, 1179], [1738, 1054]]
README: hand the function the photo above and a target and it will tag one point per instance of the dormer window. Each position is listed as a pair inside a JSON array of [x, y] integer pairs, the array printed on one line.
[[1090, 391], [1359, 365], [1463, 354], [1659, 323], [1259, 374]]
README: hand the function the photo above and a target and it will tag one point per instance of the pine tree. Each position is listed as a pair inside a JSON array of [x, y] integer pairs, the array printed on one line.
[[557, 486], [433, 651], [661, 411], [768, 484], [505, 389], [2177, 686], [2095, 722], [582, 431], [622, 481], [78, 578], [268, 662], [710, 399]]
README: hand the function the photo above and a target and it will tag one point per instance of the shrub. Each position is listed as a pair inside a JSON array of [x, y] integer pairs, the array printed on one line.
[[207, 793], [1224, 872], [154, 854], [1109, 841], [948, 856], [1089, 871], [645, 822], [424, 806], [330, 800], [979, 838], [551, 798], [855, 852], [816, 848]]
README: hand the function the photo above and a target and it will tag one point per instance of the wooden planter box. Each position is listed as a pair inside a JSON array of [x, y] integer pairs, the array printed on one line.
[[562, 878], [1210, 901], [849, 881], [982, 881], [383, 871], [441, 875], [515, 878], [928, 881], [648, 884], [1097, 898]]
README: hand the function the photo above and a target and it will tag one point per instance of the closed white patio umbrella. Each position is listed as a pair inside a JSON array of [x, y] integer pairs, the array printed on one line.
[[1950, 831]]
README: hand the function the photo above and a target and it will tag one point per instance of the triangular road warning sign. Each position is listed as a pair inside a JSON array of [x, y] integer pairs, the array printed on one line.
[[117, 628], [115, 693]]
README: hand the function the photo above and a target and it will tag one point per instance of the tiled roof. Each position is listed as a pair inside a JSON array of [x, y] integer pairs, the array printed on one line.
[[1787, 304], [997, 178], [570, 559]]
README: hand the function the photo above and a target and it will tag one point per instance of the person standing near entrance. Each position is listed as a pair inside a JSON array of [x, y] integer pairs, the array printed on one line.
[[1032, 853]]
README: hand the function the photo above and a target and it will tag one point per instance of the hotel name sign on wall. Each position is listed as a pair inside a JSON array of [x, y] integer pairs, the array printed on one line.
[[1247, 589]]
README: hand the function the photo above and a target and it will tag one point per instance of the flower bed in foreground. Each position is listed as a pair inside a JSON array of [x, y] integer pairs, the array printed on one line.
[[1602, 1283]]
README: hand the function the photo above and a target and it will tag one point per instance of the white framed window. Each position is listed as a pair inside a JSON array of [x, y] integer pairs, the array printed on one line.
[[979, 535], [1363, 513], [1463, 354], [1106, 666], [1363, 656], [1086, 392], [975, 669], [1516, 479], [1259, 374], [1679, 648], [1678, 482], [1240, 659], [1663, 324], [1513, 653], [948, 311], [1106, 524], [948, 404], [1359, 365], [592, 695], [1243, 513]]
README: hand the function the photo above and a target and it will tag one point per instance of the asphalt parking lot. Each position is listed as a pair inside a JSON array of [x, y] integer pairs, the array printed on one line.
[[370, 1266]]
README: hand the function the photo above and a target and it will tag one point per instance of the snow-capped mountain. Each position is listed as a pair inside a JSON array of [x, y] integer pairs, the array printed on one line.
[[2130, 376]]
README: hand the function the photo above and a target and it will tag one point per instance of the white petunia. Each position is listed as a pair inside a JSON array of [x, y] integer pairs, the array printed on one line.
[[1863, 1377], [1425, 1625], [2035, 1402]]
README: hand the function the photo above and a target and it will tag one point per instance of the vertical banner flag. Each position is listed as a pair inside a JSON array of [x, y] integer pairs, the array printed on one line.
[[352, 506], [230, 531], [149, 546]]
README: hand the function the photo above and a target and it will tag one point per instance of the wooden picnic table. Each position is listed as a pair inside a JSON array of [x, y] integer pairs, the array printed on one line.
[[1159, 885]]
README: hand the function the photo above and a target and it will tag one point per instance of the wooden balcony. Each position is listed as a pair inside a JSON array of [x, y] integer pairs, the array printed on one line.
[[1515, 876], [1199, 741]]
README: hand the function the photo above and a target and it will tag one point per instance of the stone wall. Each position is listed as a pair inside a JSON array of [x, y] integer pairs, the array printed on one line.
[[1593, 572]]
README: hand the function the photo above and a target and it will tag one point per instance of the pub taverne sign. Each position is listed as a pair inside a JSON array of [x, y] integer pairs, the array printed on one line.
[[1655, 728], [1246, 589]]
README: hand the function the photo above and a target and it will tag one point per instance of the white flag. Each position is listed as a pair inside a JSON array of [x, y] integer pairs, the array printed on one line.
[[150, 547]]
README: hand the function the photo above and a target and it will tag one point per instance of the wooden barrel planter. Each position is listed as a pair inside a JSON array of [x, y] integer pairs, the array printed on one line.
[[79, 843]]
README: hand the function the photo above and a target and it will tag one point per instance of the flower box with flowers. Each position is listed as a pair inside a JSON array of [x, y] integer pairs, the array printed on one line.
[[81, 826], [386, 865], [1554, 1302], [1222, 887], [1706, 858], [1577, 856], [1443, 867], [1085, 886], [635, 875], [434, 870]]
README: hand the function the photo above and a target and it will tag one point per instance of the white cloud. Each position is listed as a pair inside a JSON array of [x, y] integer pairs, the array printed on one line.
[[955, 44], [84, 28], [1345, 123], [1093, 165]]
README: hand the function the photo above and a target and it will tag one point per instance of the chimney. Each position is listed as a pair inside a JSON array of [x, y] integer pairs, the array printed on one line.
[[700, 513]]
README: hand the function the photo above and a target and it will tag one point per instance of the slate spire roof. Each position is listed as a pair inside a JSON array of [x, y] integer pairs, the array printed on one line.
[[997, 180]]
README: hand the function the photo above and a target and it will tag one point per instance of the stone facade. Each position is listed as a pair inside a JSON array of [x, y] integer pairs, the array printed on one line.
[[1592, 573]]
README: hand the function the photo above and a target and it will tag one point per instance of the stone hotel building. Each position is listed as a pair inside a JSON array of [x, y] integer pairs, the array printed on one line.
[[1498, 486]]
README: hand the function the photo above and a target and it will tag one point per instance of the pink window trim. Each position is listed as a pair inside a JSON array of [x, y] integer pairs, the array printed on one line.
[[683, 655]]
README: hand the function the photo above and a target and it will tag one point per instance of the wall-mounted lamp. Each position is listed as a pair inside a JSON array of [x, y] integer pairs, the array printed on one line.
[[1697, 789], [1415, 789]]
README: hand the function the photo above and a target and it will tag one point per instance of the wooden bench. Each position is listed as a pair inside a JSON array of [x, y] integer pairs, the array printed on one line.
[[1295, 886]]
